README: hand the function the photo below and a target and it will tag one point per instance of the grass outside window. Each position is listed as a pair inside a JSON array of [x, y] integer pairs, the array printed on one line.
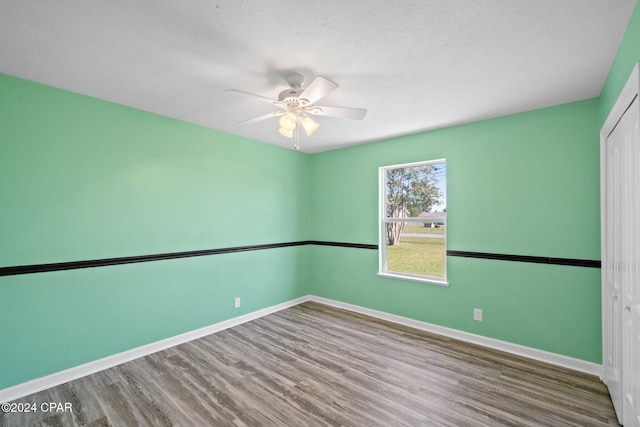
[[424, 256]]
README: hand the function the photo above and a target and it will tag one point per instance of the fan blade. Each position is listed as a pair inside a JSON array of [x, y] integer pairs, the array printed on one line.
[[254, 96], [342, 112], [263, 117], [318, 88]]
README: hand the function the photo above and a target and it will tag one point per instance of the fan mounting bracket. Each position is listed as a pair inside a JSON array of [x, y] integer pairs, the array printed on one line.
[[294, 80]]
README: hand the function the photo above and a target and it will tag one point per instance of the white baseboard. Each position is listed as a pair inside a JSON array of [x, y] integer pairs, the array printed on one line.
[[39, 384], [43, 383], [532, 353]]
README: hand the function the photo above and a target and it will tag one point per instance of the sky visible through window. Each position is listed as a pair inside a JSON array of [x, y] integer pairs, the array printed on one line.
[[440, 175]]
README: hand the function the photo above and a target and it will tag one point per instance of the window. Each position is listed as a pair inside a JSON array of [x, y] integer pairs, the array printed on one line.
[[413, 221]]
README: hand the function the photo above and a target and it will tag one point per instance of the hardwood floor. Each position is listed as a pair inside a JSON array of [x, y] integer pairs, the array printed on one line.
[[313, 365]]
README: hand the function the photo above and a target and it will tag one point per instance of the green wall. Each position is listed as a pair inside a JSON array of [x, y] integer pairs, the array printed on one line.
[[81, 179], [525, 184]]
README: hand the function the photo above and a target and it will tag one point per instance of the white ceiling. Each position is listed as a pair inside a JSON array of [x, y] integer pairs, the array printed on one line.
[[415, 65]]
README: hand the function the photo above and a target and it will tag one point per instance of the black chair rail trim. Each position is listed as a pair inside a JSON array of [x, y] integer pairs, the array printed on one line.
[[526, 258], [73, 265]]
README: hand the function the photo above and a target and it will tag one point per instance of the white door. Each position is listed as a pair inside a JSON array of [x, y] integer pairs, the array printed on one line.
[[612, 271], [621, 266], [630, 291]]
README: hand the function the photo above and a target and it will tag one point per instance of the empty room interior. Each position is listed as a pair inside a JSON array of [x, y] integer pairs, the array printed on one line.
[[317, 213]]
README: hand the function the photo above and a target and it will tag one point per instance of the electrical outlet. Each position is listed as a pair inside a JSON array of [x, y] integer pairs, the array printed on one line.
[[236, 303], [477, 314]]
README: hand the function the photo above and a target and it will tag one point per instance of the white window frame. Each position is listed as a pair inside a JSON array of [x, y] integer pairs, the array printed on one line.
[[383, 220]]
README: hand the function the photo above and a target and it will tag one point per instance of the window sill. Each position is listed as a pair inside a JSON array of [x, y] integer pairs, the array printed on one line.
[[415, 278]]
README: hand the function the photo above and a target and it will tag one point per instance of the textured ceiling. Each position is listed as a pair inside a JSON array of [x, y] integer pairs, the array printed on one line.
[[415, 65]]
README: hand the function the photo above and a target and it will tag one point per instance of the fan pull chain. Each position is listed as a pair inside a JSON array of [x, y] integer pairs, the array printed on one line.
[[296, 139]]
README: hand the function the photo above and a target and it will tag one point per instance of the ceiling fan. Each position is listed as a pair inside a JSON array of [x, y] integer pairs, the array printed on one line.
[[297, 103]]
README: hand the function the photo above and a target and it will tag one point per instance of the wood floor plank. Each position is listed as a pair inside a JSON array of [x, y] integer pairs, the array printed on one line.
[[315, 365]]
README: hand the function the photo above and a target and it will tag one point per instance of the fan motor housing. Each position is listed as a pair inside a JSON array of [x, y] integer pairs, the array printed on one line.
[[292, 96]]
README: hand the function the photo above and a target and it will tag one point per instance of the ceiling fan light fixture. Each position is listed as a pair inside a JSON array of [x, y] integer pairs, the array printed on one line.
[[288, 122], [286, 132], [309, 125], [296, 102]]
